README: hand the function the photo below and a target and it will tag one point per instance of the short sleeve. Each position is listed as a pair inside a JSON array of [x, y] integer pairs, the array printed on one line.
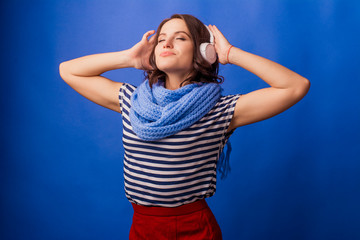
[[225, 109], [216, 122], [125, 92], [232, 100]]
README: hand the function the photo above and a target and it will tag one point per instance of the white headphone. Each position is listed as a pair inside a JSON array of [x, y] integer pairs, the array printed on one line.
[[207, 50]]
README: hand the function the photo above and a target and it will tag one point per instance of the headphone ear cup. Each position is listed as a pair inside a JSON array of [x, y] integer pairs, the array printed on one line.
[[208, 52]]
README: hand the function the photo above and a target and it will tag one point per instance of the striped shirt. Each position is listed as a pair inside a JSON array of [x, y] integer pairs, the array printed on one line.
[[178, 169]]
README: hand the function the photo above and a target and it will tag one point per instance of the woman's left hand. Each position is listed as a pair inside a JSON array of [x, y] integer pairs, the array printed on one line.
[[222, 45]]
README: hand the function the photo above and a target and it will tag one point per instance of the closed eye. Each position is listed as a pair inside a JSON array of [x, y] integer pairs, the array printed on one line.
[[179, 38]]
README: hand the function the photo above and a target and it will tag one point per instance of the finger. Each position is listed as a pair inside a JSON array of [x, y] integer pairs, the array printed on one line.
[[220, 35], [214, 34], [217, 31], [215, 28], [147, 34], [152, 39], [151, 33], [211, 28]]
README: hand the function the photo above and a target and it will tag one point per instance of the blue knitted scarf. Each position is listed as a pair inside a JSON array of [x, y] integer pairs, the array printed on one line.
[[157, 112]]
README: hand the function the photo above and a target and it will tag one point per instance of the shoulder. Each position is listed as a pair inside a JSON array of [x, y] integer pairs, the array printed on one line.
[[125, 92], [127, 88], [227, 101], [224, 108]]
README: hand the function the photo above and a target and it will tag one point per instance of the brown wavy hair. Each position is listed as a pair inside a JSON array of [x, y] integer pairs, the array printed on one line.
[[202, 70]]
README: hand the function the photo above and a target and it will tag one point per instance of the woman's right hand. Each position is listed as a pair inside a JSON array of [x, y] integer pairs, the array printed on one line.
[[140, 52]]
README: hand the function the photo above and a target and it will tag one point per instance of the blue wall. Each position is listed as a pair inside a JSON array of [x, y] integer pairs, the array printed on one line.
[[295, 176]]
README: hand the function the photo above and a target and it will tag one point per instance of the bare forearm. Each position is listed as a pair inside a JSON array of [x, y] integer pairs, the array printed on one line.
[[271, 72], [96, 64]]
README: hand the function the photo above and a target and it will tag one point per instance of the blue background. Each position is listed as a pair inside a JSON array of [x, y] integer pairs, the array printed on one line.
[[295, 176]]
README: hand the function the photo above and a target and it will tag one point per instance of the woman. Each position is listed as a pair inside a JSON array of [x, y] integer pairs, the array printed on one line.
[[176, 122]]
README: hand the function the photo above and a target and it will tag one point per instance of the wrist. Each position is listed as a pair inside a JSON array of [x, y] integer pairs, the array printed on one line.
[[228, 53], [125, 59]]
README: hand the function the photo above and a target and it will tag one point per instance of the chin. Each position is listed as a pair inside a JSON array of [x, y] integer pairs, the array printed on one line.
[[166, 64], [167, 68]]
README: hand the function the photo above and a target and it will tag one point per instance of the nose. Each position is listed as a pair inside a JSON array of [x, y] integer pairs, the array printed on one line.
[[168, 43]]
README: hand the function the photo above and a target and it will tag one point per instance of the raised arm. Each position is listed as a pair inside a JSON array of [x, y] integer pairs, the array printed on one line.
[[83, 74], [286, 87]]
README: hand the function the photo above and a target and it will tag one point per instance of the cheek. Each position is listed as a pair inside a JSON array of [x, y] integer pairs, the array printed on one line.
[[190, 57], [190, 53], [156, 49], [156, 54]]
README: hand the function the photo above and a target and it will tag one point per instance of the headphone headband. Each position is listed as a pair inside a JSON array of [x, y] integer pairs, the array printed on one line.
[[211, 35]]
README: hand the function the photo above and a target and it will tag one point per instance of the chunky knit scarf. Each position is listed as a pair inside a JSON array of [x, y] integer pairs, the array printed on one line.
[[157, 112]]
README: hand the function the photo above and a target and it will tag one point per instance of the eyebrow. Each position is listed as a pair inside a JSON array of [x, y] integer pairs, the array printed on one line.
[[177, 33]]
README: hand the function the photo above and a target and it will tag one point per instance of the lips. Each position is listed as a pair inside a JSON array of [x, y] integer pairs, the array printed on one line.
[[167, 53]]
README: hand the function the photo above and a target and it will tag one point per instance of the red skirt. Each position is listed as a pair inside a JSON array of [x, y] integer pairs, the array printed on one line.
[[189, 221]]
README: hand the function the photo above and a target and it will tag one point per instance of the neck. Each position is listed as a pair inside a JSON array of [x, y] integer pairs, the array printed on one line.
[[173, 81]]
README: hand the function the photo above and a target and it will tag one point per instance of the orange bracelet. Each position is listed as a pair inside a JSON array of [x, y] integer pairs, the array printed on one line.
[[227, 56]]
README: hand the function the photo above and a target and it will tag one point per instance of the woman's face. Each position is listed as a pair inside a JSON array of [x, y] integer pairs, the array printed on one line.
[[174, 50]]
